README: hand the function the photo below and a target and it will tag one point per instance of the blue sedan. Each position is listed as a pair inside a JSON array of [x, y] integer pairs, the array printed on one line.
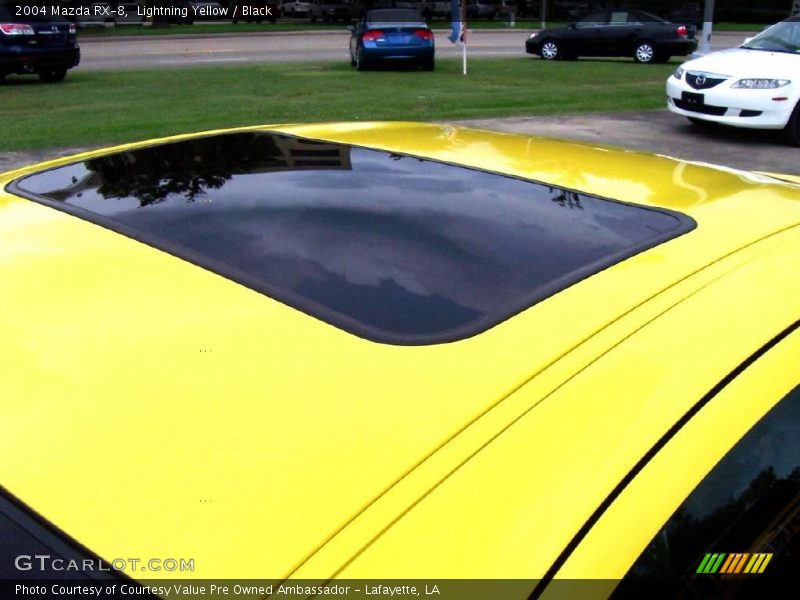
[[391, 35]]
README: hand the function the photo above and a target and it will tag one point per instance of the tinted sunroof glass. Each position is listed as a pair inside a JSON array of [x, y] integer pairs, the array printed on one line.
[[390, 247]]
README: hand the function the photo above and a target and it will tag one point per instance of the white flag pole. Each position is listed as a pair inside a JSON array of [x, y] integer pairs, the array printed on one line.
[[464, 48]]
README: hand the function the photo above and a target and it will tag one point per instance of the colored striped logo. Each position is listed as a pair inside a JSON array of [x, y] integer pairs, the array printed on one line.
[[735, 563]]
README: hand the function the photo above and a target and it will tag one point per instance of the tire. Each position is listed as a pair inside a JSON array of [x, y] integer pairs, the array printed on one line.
[[361, 64], [644, 53], [550, 50], [791, 132], [52, 75]]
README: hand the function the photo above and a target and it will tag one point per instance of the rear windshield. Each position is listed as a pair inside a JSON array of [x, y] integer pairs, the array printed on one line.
[[390, 247], [397, 15]]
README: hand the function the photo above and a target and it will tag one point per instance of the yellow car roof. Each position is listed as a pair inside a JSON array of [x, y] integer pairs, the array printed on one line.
[[155, 406]]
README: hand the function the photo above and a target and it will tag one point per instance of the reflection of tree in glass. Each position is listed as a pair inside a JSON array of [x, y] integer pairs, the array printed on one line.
[[566, 198], [186, 168], [751, 522]]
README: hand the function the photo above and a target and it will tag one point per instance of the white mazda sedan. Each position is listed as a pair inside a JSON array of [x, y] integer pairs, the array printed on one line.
[[756, 85]]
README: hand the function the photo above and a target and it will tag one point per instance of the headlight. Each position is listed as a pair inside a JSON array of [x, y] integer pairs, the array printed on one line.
[[678, 73], [533, 35], [761, 84]]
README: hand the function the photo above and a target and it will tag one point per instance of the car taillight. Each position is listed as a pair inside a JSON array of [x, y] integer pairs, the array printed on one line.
[[72, 29], [425, 34], [16, 29], [681, 31], [371, 36]]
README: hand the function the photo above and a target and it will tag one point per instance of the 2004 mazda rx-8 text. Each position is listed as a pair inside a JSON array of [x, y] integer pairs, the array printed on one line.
[[400, 351]]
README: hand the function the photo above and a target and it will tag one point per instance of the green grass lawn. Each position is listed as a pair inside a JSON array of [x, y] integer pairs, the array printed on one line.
[[98, 107]]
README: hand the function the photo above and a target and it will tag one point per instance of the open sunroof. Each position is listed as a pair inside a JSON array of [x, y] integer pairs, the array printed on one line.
[[390, 247]]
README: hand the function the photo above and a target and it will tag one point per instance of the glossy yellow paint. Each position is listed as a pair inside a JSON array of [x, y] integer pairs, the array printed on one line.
[[154, 409], [682, 464], [555, 462]]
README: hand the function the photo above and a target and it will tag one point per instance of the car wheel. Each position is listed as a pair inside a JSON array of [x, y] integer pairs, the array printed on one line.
[[52, 75], [792, 130], [645, 53], [361, 64], [550, 50]]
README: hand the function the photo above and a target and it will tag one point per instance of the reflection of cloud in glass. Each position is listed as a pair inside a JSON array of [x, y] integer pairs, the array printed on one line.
[[398, 243]]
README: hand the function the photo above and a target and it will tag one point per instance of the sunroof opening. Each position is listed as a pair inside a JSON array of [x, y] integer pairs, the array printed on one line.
[[390, 247]]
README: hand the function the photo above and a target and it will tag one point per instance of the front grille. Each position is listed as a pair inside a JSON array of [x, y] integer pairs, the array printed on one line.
[[702, 82], [750, 113], [702, 108]]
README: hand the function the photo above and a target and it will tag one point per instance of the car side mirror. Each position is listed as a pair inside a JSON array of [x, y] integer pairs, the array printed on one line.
[[351, 28]]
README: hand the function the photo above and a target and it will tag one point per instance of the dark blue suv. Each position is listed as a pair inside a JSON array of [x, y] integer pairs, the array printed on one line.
[[34, 38]]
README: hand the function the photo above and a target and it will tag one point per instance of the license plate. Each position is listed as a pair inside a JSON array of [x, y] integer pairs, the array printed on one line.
[[693, 98], [398, 39]]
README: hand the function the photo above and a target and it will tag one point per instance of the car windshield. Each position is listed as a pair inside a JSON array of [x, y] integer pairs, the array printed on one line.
[[394, 15], [783, 37]]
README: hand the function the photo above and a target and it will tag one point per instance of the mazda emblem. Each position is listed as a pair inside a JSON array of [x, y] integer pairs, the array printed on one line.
[[700, 80]]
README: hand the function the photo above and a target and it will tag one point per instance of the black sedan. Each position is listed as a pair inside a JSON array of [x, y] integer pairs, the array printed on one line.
[[34, 39], [645, 37]]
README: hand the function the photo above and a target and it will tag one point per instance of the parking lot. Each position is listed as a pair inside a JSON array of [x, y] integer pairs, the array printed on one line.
[[652, 131], [175, 51], [661, 132]]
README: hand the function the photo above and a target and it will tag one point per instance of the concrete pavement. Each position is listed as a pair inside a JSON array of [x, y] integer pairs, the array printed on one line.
[[661, 132], [178, 51]]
